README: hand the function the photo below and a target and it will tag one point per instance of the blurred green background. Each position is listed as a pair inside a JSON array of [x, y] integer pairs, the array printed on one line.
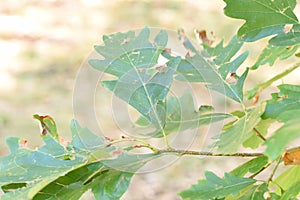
[[43, 43]]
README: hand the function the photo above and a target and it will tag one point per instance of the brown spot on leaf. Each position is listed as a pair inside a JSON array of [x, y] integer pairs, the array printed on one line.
[[203, 37], [63, 141], [117, 152], [188, 55], [161, 67], [232, 78], [168, 50], [44, 130], [255, 98], [23, 143], [288, 28], [126, 40]]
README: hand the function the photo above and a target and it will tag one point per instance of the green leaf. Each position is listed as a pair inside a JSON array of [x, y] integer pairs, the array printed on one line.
[[181, 115], [291, 193], [288, 178], [262, 127], [278, 13], [285, 134], [284, 107], [214, 187], [230, 140], [271, 53], [219, 74], [274, 196], [252, 192], [291, 38], [66, 172], [133, 60], [48, 125], [252, 166], [287, 99], [33, 168], [105, 184]]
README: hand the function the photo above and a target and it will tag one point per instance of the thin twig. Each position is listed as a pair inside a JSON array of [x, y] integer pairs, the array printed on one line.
[[202, 153], [274, 170], [259, 134], [126, 139]]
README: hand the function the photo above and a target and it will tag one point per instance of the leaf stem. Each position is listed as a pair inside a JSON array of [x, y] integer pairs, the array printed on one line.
[[261, 86], [278, 76], [259, 134]]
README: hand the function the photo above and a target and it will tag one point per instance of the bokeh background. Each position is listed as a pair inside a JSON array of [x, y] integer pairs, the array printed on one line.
[[42, 46]]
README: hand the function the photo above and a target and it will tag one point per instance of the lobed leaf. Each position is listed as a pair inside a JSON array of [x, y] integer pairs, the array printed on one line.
[[216, 68], [272, 53], [215, 188], [140, 81], [290, 38], [55, 171], [277, 12], [287, 99], [284, 107]]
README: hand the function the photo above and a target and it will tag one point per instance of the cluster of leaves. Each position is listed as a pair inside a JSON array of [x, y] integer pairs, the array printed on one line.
[[66, 170]]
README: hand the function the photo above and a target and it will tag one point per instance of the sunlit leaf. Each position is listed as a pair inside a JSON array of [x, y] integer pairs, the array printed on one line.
[[263, 18], [232, 138], [291, 193], [48, 125], [288, 178]]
